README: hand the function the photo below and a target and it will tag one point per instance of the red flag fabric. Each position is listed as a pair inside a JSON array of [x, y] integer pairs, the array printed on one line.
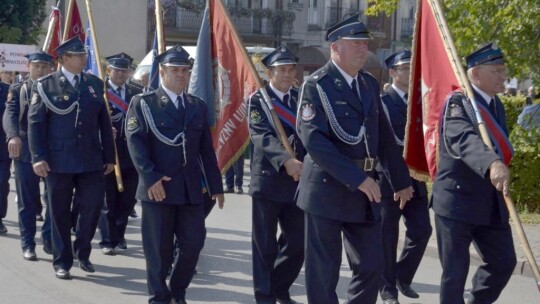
[[75, 28], [432, 79], [235, 79], [56, 33]]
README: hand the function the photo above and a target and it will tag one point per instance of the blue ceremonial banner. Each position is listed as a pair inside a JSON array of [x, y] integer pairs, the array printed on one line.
[[153, 79], [91, 62], [202, 80]]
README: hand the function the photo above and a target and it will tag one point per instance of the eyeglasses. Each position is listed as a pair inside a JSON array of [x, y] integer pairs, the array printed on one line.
[[497, 71]]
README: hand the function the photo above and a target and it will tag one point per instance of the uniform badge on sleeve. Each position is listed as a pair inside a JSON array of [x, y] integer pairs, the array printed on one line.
[[455, 110], [308, 112], [132, 123], [255, 116]]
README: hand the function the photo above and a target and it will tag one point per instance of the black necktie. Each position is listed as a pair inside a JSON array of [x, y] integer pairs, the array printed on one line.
[[180, 104], [493, 108], [355, 89], [286, 101], [119, 91], [405, 97], [76, 82]]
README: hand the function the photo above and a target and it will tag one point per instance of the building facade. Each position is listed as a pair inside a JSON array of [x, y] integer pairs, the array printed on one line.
[[129, 26]]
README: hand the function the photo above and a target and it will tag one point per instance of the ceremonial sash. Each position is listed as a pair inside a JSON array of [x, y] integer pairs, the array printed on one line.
[[498, 137], [117, 101], [285, 114]]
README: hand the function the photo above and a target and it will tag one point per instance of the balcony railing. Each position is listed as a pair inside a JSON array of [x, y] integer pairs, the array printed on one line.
[[317, 20], [407, 26], [191, 21]]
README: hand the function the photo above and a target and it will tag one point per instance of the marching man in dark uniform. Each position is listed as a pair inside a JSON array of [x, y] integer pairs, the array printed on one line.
[[346, 134], [468, 205], [71, 143], [26, 181], [416, 215], [274, 179], [5, 161], [119, 205], [168, 134]]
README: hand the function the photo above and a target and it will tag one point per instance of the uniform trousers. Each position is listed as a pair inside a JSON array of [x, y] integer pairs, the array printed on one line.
[[5, 174], [161, 223], [416, 219], [90, 189], [494, 245], [363, 246], [117, 207], [276, 262], [28, 203]]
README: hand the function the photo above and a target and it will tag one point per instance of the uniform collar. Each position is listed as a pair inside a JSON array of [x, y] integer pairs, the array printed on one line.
[[278, 93], [399, 92], [70, 76], [172, 96], [347, 77], [113, 86], [484, 95]]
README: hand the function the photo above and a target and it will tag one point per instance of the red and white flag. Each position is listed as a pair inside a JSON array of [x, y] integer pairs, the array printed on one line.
[[221, 56], [75, 27], [432, 79], [54, 32]]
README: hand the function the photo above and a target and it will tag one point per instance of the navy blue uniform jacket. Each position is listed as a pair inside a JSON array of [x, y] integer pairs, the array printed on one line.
[[462, 189], [154, 159], [330, 178], [269, 179], [397, 112], [75, 142], [124, 159], [15, 120], [4, 90]]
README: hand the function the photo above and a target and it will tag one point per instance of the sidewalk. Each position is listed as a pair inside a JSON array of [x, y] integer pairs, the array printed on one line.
[[522, 267]]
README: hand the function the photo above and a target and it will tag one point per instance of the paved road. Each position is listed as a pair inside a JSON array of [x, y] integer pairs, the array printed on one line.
[[224, 269]]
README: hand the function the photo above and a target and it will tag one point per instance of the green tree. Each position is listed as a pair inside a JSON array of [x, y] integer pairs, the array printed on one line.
[[513, 24], [21, 21]]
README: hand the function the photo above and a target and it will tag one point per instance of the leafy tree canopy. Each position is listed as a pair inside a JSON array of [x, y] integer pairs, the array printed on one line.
[[21, 21], [514, 25]]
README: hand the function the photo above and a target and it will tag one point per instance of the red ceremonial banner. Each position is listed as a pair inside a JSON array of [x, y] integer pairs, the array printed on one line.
[[76, 27], [235, 79], [56, 34], [432, 79]]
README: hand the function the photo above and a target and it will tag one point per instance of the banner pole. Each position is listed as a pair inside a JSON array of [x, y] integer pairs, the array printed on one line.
[[101, 75]]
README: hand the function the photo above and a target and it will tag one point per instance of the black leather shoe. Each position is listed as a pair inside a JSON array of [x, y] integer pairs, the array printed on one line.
[[3, 229], [229, 190], [108, 251], [407, 290], [63, 274], [240, 191], [87, 266], [29, 255], [391, 301], [122, 245], [47, 246], [133, 214], [289, 301]]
